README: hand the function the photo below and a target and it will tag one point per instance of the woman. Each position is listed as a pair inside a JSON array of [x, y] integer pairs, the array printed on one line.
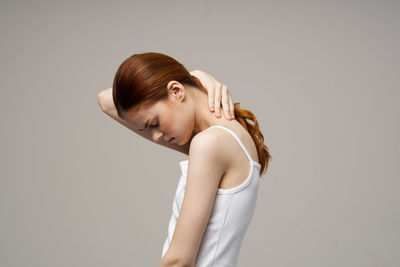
[[217, 95], [216, 195]]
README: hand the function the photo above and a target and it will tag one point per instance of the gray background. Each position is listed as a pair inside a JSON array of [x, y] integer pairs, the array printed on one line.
[[79, 189]]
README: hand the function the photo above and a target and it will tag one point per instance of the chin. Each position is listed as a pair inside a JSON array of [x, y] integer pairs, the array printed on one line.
[[181, 143]]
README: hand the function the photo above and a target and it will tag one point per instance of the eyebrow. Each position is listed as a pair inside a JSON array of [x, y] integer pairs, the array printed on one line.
[[145, 126]]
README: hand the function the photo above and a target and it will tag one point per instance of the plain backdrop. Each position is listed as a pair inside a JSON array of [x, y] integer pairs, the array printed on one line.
[[322, 77]]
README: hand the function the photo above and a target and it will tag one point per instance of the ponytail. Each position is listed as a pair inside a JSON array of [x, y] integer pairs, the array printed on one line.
[[244, 116]]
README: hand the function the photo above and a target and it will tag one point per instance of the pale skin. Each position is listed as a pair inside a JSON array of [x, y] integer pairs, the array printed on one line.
[[218, 95], [185, 117]]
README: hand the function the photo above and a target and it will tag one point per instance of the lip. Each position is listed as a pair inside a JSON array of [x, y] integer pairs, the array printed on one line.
[[171, 140]]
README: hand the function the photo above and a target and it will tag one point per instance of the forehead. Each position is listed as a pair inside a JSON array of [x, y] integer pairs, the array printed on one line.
[[138, 116]]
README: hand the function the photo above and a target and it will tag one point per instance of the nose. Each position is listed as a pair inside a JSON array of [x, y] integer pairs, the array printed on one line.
[[157, 135], [166, 138]]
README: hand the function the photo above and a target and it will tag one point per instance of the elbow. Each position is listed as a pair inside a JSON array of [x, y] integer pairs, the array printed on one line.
[[101, 101], [105, 100]]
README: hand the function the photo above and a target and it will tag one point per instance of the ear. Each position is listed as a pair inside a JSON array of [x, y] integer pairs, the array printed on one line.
[[176, 90]]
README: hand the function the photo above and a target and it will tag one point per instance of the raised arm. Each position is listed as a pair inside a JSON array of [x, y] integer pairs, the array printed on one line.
[[106, 103], [218, 95]]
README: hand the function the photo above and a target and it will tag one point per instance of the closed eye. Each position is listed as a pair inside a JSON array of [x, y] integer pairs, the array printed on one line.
[[154, 126]]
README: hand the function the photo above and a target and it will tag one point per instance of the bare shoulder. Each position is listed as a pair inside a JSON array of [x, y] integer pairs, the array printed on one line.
[[210, 146]]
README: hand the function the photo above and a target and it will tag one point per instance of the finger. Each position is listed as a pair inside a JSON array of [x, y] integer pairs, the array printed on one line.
[[232, 108], [225, 102], [217, 101], [211, 99]]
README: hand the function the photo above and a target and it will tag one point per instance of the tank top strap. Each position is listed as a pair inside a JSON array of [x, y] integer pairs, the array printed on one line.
[[238, 140]]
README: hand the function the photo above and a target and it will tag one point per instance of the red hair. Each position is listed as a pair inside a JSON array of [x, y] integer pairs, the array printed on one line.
[[142, 80]]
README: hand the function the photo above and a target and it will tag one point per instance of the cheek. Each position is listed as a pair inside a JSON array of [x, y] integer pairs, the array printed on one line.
[[176, 125], [165, 126], [169, 124]]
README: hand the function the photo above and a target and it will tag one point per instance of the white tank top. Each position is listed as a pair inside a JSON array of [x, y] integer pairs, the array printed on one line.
[[229, 219]]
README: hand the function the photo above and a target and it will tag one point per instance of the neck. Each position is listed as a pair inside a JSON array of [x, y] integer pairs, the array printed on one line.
[[202, 115]]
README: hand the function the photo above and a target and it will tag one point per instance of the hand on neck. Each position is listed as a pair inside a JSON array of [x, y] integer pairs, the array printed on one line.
[[202, 115]]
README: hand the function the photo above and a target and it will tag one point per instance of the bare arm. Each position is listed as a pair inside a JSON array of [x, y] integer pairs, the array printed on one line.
[[106, 103], [218, 95], [206, 167]]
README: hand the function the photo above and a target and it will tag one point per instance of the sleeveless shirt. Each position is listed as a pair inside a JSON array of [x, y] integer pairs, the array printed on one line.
[[230, 217]]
